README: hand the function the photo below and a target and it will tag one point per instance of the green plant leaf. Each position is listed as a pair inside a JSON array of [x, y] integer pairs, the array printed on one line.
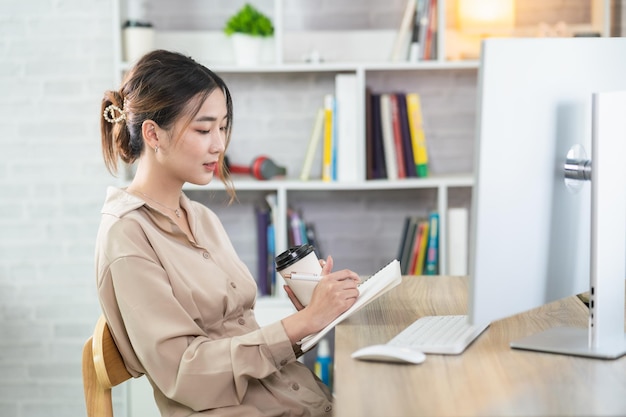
[[248, 20]]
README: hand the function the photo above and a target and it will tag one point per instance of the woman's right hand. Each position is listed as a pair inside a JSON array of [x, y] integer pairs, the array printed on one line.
[[334, 294]]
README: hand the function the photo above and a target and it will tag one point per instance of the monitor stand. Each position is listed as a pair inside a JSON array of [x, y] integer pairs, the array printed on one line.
[[604, 338]]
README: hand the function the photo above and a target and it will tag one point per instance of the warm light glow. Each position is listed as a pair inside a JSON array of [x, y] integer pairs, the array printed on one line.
[[487, 17]]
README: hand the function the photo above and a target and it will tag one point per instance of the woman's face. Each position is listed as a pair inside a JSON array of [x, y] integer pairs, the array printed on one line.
[[193, 157]]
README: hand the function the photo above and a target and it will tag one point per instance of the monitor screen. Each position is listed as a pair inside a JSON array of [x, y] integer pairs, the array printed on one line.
[[530, 226]]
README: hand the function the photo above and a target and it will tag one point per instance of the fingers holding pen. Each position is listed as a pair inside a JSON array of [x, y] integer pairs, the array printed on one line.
[[327, 268], [327, 265], [341, 284]]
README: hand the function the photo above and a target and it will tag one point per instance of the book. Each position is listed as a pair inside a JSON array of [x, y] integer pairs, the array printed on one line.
[[418, 250], [295, 237], [407, 145], [405, 229], [327, 146], [418, 138], [379, 169], [378, 284], [389, 146], [333, 163], [313, 145], [397, 135], [416, 42], [432, 252], [346, 116], [262, 223], [429, 43], [271, 253], [272, 202], [424, 23], [369, 136], [402, 38], [311, 236], [421, 244], [408, 245], [457, 241]]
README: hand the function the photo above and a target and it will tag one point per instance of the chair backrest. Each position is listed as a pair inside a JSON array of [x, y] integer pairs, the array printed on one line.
[[103, 368]]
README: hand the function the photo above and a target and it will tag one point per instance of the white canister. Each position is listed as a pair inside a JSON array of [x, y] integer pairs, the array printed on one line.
[[138, 40]]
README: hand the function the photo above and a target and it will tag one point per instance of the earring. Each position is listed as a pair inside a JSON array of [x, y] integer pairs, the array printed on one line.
[[156, 149]]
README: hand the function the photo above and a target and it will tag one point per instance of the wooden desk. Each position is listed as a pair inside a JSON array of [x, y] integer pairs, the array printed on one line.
[[488, 379]]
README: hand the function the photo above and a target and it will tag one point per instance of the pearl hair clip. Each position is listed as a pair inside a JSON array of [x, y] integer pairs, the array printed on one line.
[[109, 114]]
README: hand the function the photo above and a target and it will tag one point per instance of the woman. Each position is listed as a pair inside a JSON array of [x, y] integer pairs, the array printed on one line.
[[178, 300]]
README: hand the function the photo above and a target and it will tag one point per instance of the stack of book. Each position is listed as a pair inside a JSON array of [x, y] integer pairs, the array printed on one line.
[[417, 34], [395, 140], [419, 245], [299, 233], [335, 133]]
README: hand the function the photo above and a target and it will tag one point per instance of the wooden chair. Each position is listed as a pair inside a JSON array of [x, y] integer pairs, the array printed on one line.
[[103, 368]]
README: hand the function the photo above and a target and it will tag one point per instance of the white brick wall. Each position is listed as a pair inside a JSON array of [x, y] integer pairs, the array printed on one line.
[[55, 62]]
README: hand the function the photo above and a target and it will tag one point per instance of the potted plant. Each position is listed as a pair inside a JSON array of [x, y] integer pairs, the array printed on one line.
[[248, 29], [137, 32]]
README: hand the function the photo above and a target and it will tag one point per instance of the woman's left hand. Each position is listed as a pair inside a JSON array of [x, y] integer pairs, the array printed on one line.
[[327, 267]]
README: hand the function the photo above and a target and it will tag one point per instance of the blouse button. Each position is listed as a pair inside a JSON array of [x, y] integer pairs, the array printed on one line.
[[206, 255], [328, 408], [241, 321], [295, 386], [232, 284]]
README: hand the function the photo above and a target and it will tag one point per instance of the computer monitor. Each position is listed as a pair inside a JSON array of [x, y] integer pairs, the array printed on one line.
[[531, 228]]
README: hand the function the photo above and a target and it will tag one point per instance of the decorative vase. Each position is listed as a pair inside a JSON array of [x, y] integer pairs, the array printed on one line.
[[138, 40], [247, 49]]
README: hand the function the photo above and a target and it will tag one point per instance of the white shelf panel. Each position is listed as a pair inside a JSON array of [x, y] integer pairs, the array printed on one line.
[[434, 181], [333, 67]]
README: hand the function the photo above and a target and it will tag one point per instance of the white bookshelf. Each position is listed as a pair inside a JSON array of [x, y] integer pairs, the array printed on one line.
[[378, 69]]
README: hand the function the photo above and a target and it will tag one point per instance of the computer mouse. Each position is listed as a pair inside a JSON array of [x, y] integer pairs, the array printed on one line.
[[389, 353]]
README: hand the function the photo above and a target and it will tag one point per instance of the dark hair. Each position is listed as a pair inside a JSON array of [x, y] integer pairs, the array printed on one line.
[[159, 88]]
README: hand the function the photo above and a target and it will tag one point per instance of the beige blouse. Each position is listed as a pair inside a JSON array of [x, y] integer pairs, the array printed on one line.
[[182, 313]]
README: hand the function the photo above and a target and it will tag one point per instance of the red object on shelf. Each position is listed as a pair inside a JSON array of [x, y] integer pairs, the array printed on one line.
[[262, 168]]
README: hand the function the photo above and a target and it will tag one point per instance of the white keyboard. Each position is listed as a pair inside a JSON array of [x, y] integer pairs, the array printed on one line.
[[439, 334]]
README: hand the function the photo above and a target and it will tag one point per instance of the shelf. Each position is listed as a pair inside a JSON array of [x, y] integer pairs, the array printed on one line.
[[333, 67], [434, 181]]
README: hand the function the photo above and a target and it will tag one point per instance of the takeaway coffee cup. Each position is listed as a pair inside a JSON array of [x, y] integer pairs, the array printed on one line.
[[301, 270]]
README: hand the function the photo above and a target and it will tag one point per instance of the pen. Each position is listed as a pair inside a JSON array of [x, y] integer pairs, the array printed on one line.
[[302, 276]]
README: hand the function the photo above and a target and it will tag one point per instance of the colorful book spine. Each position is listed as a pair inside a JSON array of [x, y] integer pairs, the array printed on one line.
[[409, 159], [415, 247], [272, 203], [391, 162], [347, 142], [369, 136], [420, 151], [423, 243], [458, 241], [262, 223], [333, 163], [406, 258], [432, 254], [397, 135], [314, 141], [402, 39], [379, 168], [429, 45], [327, 157]]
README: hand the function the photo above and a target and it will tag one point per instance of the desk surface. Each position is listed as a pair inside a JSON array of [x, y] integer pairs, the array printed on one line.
[[488, 379]]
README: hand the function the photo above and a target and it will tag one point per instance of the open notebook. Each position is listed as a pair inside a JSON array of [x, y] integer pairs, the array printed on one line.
[[373, 287]]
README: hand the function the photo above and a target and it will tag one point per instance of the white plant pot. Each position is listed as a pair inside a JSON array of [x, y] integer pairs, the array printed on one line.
[[137, 42], [247, 49]]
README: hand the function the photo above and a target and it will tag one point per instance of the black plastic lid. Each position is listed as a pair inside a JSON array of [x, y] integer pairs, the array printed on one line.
[[137, 24], [292, 255]]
